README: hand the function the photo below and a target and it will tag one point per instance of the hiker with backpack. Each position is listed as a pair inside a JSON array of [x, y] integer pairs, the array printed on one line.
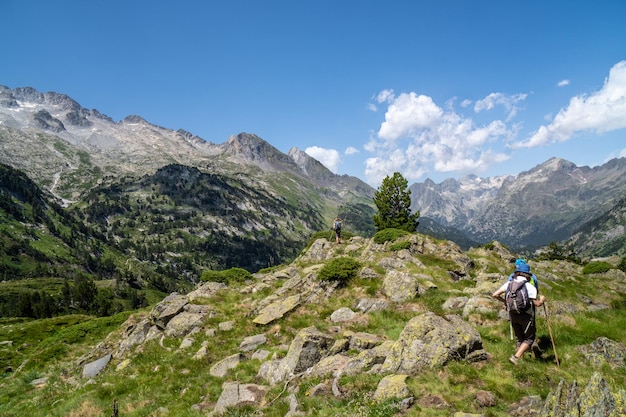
[[337, 228], [520, 299]]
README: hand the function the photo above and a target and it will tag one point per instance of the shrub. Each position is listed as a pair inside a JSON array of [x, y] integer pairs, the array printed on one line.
[[227, 276], [596, 267], [389, 235], [405, 244], [339, 269]]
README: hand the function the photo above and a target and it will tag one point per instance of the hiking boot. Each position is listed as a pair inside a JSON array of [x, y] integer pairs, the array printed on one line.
[[513, 359]]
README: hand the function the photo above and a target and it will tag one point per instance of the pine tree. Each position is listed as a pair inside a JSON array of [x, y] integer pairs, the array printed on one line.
[[393, 200]]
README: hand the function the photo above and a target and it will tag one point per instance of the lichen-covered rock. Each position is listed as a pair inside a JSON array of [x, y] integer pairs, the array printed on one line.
[[429, 341], [367, 359], [595, 400], [308, 347], [604, 350], [392, 386], [277, 309], [400, 286], [164, 311], [328, 366]]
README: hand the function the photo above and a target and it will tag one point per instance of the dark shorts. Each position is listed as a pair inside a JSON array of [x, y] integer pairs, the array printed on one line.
[[524, 327]]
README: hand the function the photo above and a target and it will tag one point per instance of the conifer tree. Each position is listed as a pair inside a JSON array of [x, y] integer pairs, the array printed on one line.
[[393, 199]]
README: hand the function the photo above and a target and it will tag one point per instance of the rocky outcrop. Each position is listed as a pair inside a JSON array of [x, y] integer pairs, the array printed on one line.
[[605, 351], [594, 400], [429, 340]]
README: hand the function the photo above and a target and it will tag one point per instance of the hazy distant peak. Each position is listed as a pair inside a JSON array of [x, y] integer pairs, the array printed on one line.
[[555, 163]]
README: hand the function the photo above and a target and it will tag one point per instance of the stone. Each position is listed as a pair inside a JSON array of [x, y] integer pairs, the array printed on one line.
[[94, 368], [235, 394], [428, 341], [252, 342], [400, 286], [277, 310], [221, 368], [392, 386], [342, 315]]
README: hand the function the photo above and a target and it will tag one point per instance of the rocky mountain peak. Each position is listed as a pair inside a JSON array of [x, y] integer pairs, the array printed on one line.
[[252, 148]]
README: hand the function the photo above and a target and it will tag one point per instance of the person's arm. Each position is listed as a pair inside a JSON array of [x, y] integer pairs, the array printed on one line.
[[540, 301], [498, 294]]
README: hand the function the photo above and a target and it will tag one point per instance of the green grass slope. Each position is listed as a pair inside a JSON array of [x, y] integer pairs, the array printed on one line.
[[161, 378]]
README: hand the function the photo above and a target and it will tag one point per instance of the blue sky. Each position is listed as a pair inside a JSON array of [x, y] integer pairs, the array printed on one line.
[[431, 89]]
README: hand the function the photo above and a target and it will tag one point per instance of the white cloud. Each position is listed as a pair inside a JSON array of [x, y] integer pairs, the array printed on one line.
[[418, 136], [602, 111], [351, 150], [385, 96], [509, 102], [409, 114], [563, 83], [330, 158], [372, 107]]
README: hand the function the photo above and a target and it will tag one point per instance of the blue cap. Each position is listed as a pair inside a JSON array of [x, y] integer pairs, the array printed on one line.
[[523, 267], [519, 261]]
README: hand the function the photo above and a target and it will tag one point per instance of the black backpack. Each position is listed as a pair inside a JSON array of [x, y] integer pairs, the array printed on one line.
[[516, 297], [337, 226]]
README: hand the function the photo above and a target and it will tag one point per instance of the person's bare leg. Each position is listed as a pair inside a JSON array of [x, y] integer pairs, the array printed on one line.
[[523, 348]]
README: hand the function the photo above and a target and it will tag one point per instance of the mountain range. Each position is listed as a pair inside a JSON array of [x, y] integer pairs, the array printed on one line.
[[255, 193]]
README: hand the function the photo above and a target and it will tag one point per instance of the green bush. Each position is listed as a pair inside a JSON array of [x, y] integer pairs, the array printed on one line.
[[389, 235], [596, 267], [339, 269], [405, 244], [227, 276]]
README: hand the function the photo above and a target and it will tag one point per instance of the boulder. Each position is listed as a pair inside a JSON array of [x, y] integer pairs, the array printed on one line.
[[94, 368], [367, 359], [235, 394], [604, 350], [341, 315], [595, 400], [428, 341], [400, 286], [183, 324], [277, 309], [164, 311], [252, 342], [328, 366], [307, 348], [205, 290], [363, 341], [392, 386], [221, 368]]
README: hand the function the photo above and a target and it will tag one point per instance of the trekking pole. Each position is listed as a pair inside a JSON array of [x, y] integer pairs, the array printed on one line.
[[556, 356]]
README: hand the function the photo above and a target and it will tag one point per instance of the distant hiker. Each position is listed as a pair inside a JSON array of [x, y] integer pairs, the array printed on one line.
[[337, 229], [520, 300]]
